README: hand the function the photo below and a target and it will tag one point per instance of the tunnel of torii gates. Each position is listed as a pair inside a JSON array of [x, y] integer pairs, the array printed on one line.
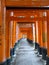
[[15, 22], [33, 23]]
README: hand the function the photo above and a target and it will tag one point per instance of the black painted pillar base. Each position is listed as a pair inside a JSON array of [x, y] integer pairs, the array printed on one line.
[[15, 45], [30, 41], [9, 61], [3, 63], [39, 50], [36, 45], [19, 40], [12, 52], [44, 53], [47, 62]]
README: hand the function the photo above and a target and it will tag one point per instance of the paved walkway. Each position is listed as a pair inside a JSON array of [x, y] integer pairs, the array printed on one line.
[[26, 55]]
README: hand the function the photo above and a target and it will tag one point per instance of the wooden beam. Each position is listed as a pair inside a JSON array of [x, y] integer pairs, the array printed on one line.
[[26, 3]]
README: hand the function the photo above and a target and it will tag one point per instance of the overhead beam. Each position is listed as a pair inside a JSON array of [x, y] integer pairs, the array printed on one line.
[[28, 3]]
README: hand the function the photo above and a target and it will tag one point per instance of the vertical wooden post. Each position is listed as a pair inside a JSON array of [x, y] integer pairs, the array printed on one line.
[[36, 35], [17, 32], [10, 36], [13, 35], [47, 39], [7, 38], [2, 32], [44, 33], [40, 36], [20, 35], [44, 39], [10, 33], [39, 44], [33, 32]]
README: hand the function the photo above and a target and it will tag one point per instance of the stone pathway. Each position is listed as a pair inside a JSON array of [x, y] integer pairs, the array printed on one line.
[[26, 55]]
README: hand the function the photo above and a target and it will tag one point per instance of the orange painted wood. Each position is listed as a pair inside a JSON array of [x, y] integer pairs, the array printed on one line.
[[19, 36], [40, 33], [37, 26], [44, 30], [33, 31], [38, 14], [25, 13], [13, 34], [7, 38], [2, 32], [17, 32], [44, 33], [36, 32], [28, 3], [5, 28], [28, 31], [48, 34], [1, 49], [10, 33]]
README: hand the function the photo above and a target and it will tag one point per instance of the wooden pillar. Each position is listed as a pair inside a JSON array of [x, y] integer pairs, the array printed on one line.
[[33, 32], [17, 32], [47, 39], [39, 43], [40, 36], [40, 33], [7, 42], [13, 35], [44, 33], [7, 38], [10, 37], [10, 33], [36, 35], [2, 32], [37, 32], [44, 39], [20, 35]]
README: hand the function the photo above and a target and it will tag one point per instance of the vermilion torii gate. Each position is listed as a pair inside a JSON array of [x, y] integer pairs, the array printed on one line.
[[38, 16]]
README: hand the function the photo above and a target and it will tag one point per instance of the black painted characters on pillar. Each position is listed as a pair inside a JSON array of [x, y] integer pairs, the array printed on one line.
[[44, 37]]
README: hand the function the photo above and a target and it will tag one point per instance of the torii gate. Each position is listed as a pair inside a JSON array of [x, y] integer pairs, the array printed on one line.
[[40, 23]]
